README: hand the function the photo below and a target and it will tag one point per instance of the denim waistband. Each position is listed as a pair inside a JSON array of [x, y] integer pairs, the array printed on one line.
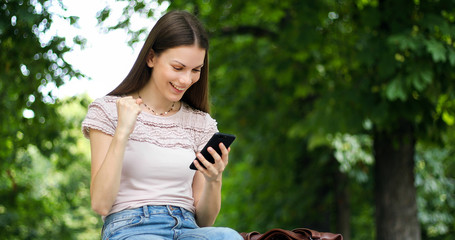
[[146, 211]]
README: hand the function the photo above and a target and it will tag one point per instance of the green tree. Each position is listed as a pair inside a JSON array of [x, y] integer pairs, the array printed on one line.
[[38, 146], [400, 67]]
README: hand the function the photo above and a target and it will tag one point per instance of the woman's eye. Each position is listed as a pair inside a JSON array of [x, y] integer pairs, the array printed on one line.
[[196, 70], [178, 68]]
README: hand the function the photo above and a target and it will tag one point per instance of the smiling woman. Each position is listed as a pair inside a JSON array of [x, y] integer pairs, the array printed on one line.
[[175, 71], [145, 134]]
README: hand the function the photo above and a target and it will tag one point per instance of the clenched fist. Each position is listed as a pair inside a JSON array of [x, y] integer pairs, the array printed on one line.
[[128, 109]]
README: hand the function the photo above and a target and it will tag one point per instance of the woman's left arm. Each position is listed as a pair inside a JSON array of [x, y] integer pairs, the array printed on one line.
[[207, 186]]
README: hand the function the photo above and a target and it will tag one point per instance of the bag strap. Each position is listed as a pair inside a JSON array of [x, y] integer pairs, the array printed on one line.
[[296, 234], [318, 235], [282, 234], [250, 236], [275, 233]]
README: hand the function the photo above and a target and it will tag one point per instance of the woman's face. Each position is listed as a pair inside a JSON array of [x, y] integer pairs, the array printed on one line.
[[175, 70]]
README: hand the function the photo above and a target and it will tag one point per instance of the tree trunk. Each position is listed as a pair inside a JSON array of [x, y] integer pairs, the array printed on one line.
[[395, 193], [343, 206]]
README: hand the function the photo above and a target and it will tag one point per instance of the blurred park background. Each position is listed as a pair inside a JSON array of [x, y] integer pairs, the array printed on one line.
[[344, 112]]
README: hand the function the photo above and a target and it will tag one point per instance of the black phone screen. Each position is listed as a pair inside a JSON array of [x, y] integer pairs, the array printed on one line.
[[214, 142]]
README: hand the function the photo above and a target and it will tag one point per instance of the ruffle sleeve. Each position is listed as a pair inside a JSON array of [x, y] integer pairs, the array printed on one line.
[[101, 115]]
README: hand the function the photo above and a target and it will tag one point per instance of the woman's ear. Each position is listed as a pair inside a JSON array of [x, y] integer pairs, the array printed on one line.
[[151, 58]]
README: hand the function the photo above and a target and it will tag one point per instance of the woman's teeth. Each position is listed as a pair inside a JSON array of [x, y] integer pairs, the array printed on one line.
[[180, 89]]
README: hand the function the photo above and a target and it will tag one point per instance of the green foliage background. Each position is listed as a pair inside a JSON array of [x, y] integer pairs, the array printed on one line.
[[303, 84]]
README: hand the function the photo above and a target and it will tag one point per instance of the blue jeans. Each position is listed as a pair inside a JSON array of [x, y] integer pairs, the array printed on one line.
[[160, 222]]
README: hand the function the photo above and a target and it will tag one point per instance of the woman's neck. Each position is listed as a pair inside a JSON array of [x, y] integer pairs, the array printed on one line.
[[155, 103]]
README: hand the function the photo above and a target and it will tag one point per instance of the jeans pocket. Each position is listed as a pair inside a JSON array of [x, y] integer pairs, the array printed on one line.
[[112, 228], [191, 221]]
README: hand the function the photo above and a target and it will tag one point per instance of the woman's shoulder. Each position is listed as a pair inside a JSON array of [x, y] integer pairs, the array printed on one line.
[[106, 103], [106, 100], [193, 112], [101, 115], [103, 107], [196, 117]]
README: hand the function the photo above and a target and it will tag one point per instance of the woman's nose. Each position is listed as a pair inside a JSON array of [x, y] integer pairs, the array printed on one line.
[[186, 78]]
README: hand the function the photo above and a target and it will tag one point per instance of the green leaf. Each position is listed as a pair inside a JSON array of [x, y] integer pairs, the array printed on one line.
[[427, 76], [317, 140], [403, 41], [436, 49], [448, 118], [139, 6], [73, 19], [415, 80], [395, 90], [420, 78], [103, 14], [451, 54]]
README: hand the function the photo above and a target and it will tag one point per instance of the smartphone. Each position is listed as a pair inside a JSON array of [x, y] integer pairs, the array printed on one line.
[[214, 142]]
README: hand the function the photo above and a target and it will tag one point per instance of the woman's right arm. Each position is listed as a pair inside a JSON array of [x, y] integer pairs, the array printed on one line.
[[107, 156]]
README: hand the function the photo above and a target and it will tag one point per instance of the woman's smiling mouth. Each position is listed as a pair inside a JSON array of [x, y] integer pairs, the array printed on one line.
[[178, 88]]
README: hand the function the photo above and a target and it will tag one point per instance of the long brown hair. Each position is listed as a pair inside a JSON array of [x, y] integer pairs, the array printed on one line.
[[174, 29]]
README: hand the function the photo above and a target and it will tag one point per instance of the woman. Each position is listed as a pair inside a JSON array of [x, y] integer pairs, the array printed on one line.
[[145, 134]]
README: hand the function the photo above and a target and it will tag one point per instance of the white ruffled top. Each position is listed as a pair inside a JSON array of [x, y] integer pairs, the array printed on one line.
[[158, 154]]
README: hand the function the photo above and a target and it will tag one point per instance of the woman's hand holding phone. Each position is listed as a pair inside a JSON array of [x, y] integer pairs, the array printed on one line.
[[213, 171], [217, 150]]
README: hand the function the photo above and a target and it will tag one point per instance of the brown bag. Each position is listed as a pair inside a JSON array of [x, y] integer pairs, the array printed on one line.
[[296, 234]]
